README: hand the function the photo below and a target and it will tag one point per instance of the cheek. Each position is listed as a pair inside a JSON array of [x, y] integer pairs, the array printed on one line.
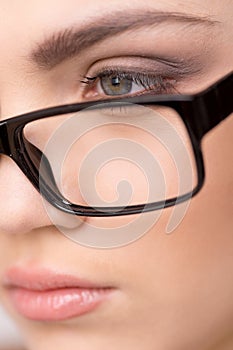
[[184, 280], [200, 250], [218, 190]]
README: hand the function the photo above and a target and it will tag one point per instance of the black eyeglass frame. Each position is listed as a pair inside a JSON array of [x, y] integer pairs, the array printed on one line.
[[200, 113]]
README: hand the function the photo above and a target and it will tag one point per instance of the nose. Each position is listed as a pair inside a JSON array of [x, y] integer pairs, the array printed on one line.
[[22, 207]]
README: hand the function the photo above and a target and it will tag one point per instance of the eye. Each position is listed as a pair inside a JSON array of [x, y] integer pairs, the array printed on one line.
[[119, 83], [115, 85]]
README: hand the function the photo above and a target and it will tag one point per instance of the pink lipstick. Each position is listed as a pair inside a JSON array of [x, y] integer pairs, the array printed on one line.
[[44, 295]]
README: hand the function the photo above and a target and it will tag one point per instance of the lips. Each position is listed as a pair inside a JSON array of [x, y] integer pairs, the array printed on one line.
[[46, 295]]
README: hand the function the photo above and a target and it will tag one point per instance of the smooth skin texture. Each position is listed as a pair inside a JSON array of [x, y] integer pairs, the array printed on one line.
[[174, 292]]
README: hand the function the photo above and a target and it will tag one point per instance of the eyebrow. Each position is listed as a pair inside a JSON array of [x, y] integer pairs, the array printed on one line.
[[67, 43]]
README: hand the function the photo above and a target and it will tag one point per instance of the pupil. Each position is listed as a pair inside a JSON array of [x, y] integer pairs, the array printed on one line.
[[114, 85], [116, 81]]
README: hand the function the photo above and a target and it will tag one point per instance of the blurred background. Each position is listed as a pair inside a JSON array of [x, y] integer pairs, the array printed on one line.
[[9, 336]]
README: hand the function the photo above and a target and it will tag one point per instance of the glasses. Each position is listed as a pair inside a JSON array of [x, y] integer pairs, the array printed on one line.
[[119, 156]]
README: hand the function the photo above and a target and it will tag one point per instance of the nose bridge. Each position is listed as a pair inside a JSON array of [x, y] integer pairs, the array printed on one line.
[[18, 98]]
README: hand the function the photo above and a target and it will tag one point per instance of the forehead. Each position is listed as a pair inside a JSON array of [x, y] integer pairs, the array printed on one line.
[[48, 11], [23, 21]]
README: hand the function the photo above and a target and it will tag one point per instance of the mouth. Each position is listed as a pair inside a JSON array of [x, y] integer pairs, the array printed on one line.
[[46, 295]]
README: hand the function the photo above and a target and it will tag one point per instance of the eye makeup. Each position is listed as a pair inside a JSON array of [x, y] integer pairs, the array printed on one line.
[[116, 82], [123, 76]]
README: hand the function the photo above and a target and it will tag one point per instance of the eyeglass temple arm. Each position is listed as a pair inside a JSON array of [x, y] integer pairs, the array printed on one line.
[[214, 105]]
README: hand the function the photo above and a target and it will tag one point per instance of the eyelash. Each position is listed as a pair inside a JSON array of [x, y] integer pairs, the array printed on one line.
[[152, 83]]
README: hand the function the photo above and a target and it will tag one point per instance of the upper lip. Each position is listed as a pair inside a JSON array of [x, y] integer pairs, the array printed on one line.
[[42, 279]]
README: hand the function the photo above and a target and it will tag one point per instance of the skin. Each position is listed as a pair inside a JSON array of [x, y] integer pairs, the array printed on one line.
[[180, 296]]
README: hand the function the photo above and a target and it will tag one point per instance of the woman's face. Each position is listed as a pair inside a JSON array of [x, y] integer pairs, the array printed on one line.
[[171, 292]]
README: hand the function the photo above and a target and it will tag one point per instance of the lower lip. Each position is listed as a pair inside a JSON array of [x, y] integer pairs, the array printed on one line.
[[56, 305]]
